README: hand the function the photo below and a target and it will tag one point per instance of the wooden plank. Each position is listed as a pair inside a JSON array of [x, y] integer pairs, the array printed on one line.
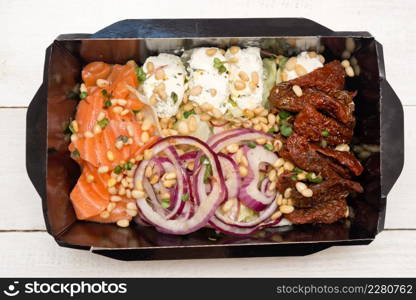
[[18, 82], [23, 211], [387, 256]]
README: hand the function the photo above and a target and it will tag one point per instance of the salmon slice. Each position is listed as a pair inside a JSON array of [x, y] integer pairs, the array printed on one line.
[[98, 149], [95, 70], [118, 213], [88, 111], [90, 198]]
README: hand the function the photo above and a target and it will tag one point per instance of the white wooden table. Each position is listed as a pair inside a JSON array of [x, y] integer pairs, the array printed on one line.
[[27, 29]]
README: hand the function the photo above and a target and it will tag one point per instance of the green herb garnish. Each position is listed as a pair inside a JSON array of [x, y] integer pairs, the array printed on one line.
[[105, 94], [136, 111], [71, 128], [204, 160], [284, 114], [313, 178], [123, 138], [232, 102], [268, 147], [251, 145], [174, 97], [207, 173], [297, 170], [165, 203], [103, 123], [186, 114], [325, 133], [286, 130], [294, 177], [108, 103], [141, 75], [128, 166], [271, 130], [218, 64], [118, 169], [185, 197], [83, 95], [75, 154]]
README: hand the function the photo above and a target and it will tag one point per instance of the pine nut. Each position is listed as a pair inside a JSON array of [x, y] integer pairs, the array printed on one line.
[[117, 109], [196, 90], [286, 209], [291, 63], [258, 110], [238, 155], [321, 59], [350, 72], [160, 74], [123, 223], [183, 127], [272, 175], [244, 161], [90, 178], [233, 60], [243, 76], [300, 186], [206, 106], [342, 147], [146, 125], [261, 141], [271, 118], [138, 194], [103, 169], [276, 215], [272, 186], [232, 148], [74, 137], [147, 154], [101, 116], [148, 171], [301, 176], [110, 156], [122, 191], [88, 134], [213, 92], [257, 127], [211, 51], [205, 117], [234, 49], [105, 214], [288, 166], [132, 212], [239, 85], [150, 67], [226, 207], [124, 112], [312, 54], [350, 44], [154, 179], [144, 137], [192, 124], [279, 162], [115, 198], [170, 176], [346, 54], [287, 193], [307, 193], [345, 63], [300, 70], [111, 182], [111, 206], [112, 190], [277, 144], [243, 171], [119, 145], [83, 88], [188, 107], [169, 183], [153, 99], [101, 83], [279, 199], [285, 76], [297, 90]]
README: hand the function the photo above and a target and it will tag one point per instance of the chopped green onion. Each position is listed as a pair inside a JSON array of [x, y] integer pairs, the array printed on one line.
[[71, 128], [313, 178], [294, 177], [165, 203], [103, 123], [136, 111], [118, 169], [141, 75], [251, 145], [271, 130], [286, 130], [185, 197], [106, 95], [218, 64], [83, 95], [128, 166], [268, 147], [174, 97], [232, 102], [207, 173], [284, 114], [108, 103], [123, 138], [75, 154], [204, 160], [297, 170], [186, 114], [222, 69], [325, 133]]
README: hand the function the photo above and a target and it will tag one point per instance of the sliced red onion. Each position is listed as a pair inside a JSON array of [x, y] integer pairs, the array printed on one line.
[[205, 210], [249, 194], [231, 174]]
